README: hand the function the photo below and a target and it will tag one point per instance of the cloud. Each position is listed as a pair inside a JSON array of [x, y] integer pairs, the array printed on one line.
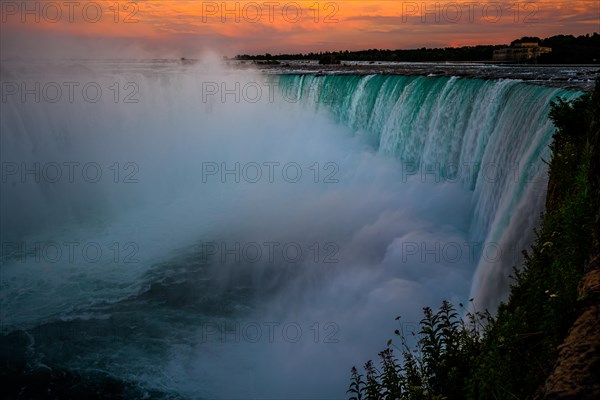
[[177, 27]]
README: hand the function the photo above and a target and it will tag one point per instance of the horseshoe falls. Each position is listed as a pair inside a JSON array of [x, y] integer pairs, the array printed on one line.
[[193, 231], [489, 136]]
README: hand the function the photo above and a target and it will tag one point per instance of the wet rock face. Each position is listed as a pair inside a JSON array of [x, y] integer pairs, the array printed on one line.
[[576, 374]]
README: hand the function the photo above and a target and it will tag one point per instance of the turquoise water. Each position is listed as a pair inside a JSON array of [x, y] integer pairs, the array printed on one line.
[[491, 135]]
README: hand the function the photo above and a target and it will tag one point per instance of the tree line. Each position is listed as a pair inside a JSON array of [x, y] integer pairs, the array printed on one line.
[[566, 49]]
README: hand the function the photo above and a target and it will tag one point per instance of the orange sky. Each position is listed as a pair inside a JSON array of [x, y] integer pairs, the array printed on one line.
[[167, 28]]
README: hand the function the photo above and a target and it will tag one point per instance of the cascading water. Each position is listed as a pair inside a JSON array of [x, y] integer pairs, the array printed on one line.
[[491, 136], [392, 188]]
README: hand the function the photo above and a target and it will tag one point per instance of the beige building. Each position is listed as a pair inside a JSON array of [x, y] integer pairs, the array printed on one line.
[[520, 52]]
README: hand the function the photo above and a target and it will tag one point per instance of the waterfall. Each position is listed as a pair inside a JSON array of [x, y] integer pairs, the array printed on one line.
[[394, 192], [491, 136]]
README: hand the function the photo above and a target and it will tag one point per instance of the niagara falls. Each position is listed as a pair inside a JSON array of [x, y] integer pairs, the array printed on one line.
[[186, 221]]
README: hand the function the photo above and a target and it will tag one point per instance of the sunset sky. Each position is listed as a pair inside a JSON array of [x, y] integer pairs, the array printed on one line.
[[186, 28]]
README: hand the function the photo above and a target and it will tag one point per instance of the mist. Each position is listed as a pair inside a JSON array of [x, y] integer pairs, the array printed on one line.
[[348, 209], [221, 238]]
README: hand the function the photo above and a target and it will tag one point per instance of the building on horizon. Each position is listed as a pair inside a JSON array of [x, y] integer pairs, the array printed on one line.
[[520, 52]]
